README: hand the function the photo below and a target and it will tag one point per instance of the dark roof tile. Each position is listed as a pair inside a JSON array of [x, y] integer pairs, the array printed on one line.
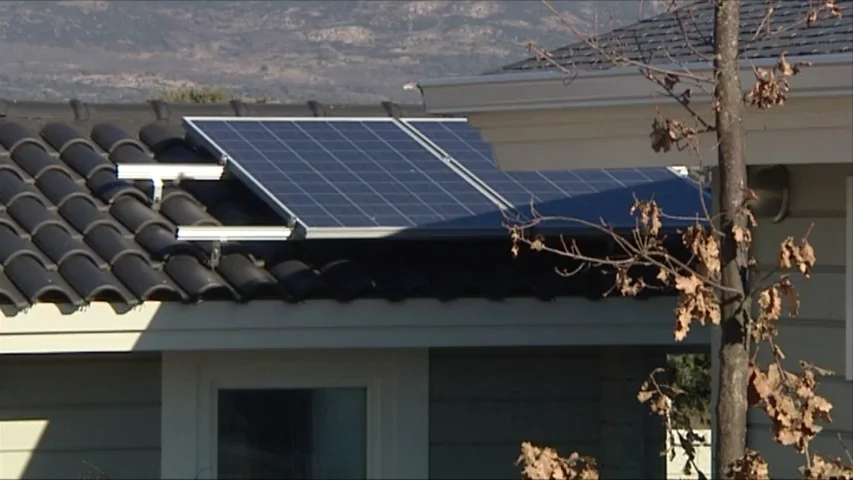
[[661, 39], [72, 232]]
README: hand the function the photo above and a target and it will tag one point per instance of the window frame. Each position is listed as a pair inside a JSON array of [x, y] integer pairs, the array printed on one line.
[[397, 402]]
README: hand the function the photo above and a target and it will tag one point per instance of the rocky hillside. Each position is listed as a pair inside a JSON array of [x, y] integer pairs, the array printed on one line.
[[354, 51]]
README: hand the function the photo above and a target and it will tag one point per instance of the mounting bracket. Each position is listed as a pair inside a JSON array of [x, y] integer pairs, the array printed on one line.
[[219, 235], [158, 173]]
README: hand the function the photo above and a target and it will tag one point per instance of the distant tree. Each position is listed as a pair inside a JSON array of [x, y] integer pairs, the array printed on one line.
[[204, 94], [691, 373], [194, 94]]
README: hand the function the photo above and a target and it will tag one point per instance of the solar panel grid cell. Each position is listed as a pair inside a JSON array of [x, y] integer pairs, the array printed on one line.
[[346, 173]]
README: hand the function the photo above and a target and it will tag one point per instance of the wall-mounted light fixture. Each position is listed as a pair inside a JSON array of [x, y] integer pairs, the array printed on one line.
[[772, 185]]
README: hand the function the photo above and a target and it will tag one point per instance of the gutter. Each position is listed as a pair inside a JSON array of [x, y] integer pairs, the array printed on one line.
[[829, 75]]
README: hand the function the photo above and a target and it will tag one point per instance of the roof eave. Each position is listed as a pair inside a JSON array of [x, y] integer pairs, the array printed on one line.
[[829, 76]]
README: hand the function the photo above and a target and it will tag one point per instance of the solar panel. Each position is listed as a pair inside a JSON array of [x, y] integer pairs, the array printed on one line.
[[347, 173], [590, 195]]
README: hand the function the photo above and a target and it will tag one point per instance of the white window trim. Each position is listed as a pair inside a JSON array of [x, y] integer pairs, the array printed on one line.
[[848, 277], [397, 383]]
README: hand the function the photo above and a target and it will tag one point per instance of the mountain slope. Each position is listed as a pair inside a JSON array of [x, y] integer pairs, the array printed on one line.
[[353, 51]]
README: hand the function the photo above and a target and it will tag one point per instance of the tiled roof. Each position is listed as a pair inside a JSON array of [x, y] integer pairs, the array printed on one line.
[[71, 232], [661, 40]]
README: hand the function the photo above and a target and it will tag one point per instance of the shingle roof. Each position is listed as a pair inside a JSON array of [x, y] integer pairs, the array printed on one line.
[[71, 232], [661, 40]]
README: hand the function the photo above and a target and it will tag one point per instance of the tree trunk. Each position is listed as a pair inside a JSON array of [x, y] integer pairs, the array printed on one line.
[[732, 403]]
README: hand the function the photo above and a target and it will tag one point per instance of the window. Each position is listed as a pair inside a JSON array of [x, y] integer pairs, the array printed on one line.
[[317, 434], [312, 414]]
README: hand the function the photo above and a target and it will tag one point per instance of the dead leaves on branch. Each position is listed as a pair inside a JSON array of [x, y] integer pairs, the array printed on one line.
[[544, 463], [829, 6], [772, 301], [751, 466], [651, 392], [704, 244], [696, 301], [827, 469], [668, 133], [649, 215], [790, 401], [797, 255], [771, 84]]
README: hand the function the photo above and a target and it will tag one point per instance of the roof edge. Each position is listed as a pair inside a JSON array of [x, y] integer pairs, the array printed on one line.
[[75, 110], [830, 75]]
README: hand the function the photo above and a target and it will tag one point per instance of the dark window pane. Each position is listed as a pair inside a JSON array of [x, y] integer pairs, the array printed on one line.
[[313, 434]]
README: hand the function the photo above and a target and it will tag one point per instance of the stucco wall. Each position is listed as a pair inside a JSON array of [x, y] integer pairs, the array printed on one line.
[[63, 415], [818, 334], [485, 402]]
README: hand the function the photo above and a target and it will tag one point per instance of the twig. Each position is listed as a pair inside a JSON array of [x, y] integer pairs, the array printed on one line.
[[634, 254], [844, 447], [683, 29], [620, 60]]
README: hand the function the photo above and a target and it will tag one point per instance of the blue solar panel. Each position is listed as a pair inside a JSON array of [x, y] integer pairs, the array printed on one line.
[[590, 195], [348, 173]]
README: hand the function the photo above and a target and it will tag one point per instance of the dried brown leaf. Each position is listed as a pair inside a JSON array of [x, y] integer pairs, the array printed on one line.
[[544, 463], [749, 467], [791, 402], [667, 133], [834, 10], [705, 246], [797, 255], [644, 396], [827, 469], [696, 301], [771, 85], [811, 19], [669, 81], [650, 215], [742, 235], [627, 285]]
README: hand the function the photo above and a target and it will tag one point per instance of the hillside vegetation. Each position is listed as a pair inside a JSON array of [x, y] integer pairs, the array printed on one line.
[[354, 51]]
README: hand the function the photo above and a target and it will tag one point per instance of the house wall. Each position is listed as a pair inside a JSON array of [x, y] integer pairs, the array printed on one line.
[[65, 416], [59, 414], [485, 402], [538, 139], [818, 334]]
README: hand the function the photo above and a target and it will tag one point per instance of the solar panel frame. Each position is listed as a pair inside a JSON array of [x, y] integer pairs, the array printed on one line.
[[447, 157], [305, 230]]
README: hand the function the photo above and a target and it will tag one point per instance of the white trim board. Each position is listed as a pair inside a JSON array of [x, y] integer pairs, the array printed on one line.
[[848, 282], [421, 323], [397, 383], [829, 76]]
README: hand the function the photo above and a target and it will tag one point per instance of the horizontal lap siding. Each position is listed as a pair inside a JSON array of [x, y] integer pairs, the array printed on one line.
[[485, 402], [68, 416], [817, 335]]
